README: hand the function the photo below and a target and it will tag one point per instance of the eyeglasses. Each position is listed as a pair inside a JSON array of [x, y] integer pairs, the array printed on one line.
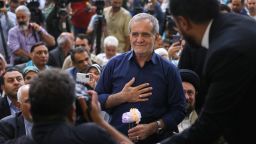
[[189, 92]]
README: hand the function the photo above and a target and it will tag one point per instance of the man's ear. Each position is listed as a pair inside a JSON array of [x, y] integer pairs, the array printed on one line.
[[183, 23]]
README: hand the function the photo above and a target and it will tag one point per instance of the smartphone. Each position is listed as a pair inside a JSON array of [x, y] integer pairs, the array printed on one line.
[[175, 38], [83, 77]]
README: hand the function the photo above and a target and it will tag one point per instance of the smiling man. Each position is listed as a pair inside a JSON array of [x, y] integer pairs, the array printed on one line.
[[142, 79]]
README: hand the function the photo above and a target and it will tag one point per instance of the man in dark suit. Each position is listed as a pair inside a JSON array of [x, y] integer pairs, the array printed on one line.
[[10, 81], [229, 71], [14, 126]]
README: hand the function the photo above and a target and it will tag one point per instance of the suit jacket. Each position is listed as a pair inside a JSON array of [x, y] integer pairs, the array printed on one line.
[[230, 74], [194, 59], [12, 127], [63, 133], [4, 107], [56, 57]]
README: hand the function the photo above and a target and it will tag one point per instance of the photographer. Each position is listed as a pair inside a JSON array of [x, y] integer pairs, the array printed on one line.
[[52, 100], [36, 13], [7, 21], [24, 35], [58, 20]]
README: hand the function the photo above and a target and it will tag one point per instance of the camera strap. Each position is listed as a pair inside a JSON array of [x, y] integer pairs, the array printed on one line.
[[3, 42], [34, 34]]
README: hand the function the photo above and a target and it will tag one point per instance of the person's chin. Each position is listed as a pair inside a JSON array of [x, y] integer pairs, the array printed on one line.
[[23, 27]]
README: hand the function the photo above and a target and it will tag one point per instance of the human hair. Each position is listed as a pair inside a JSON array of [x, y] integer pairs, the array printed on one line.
[[198, 11], [24, 9], [36, 45], [63, 38], [75, 51], [111, 41], [224, 7], [26, 86], [242, 1], [51, 95], [143, 16], [8, 69]]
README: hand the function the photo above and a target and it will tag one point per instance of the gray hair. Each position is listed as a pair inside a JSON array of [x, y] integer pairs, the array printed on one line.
[[20, 90], [111, 41], [143, 16], [24, 9], [63, 38]]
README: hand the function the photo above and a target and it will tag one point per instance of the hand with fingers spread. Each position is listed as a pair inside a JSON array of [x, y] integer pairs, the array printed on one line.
[[136, 94]]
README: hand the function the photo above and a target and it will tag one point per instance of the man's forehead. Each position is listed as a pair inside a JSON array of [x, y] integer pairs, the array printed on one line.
[[40, 48], [12, 74]]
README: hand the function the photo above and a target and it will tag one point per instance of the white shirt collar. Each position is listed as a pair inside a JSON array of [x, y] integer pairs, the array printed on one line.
[[205, 39]]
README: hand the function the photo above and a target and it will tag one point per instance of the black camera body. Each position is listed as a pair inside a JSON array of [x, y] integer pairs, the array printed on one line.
[[2, 4], [36, 13], [99, 6]]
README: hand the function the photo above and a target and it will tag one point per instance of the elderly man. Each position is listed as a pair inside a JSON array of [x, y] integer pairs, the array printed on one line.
[[23, 36], [57, 55], [141, 79], [14, 126], [110, 50]]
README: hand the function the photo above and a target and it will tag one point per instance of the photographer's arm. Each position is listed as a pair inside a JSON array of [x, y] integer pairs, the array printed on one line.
[[97, 118]]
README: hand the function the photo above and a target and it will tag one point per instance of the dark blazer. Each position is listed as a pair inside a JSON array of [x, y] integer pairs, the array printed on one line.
[[193, 59], [12, 127], [56, 57], [230, 76], [4, 107]]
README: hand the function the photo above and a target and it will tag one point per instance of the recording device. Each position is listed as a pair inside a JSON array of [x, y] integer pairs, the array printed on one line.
[[98, 24], [36, 13], [99, 6], [175, 38], [1, 4], [62, 7], [83, 78]]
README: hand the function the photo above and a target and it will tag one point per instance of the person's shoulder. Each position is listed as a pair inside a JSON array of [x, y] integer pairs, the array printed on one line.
[[92, 133], [14, 30], [124, 11]]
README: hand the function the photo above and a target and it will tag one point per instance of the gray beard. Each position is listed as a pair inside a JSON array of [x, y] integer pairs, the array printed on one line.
[[23, 27]]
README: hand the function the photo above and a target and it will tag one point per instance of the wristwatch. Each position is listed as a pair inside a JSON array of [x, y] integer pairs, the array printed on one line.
[[159, 128]]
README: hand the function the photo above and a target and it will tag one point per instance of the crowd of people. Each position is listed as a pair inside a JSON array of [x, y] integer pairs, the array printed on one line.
[[182, 70]]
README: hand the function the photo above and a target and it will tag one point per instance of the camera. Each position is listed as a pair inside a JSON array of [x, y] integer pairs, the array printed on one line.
[[83, 78], [99, 6], [2, 4]]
